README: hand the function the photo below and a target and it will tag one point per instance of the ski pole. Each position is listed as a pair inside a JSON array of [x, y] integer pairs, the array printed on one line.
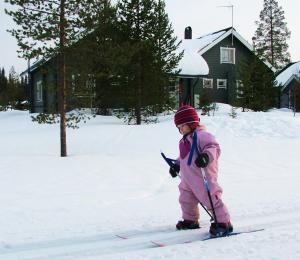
[[195, 148], [209, 196]]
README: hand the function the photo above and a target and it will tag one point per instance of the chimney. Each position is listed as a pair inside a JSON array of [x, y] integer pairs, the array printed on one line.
[[188, 32]]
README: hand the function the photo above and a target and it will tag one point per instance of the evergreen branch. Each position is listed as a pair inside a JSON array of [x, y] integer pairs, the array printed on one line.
[[40, 11]]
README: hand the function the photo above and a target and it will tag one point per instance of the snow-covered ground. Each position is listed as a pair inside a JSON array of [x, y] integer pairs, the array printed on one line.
[[114, 182]]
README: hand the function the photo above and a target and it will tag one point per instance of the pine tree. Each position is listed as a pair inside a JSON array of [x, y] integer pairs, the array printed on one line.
[[2, 80], [149, 56], [47, 28], [15, 92], [104, 52], [13, 82], [257, 90], [3, 90], [166, 57], [12, 92], [135, 26], [244, 86], [271, 35], [206, 102]]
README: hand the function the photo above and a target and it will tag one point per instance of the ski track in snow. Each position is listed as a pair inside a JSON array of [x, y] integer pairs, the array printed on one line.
[[104, 245]]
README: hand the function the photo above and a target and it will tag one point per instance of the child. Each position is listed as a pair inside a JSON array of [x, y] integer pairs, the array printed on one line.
[[192, 188]]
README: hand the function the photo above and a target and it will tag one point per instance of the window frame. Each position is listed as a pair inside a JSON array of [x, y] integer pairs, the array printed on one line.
[[39, 91], [208, 80], [228, 56], [221, 87]]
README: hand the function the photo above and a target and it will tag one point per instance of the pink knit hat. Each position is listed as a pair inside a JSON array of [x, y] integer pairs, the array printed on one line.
[[187, 115]]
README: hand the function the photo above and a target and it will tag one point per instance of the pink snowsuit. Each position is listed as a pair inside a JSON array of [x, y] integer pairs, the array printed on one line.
[[191, 187]]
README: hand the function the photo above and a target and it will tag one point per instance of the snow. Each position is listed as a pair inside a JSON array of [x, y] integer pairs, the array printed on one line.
[[114, 182], [287, 74], [203, 41], [192, 63], [207, 39]]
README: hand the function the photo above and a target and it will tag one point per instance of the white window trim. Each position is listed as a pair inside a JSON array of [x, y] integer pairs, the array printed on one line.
[[227, 61], [39, 91], [209, 80], [224, 86]]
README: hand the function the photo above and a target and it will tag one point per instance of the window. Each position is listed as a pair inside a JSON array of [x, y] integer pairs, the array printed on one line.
[[239, 89], [82, 86], [39, 91], [221, 83], [207, 83], [227, 55], [90, 83]]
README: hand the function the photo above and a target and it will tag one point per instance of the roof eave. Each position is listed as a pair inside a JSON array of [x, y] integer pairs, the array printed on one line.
[[212, 44], [190, 76], [240, 38], [289, 81]]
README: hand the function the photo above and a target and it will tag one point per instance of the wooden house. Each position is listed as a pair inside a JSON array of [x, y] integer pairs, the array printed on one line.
[[223, 51], [289, 81]]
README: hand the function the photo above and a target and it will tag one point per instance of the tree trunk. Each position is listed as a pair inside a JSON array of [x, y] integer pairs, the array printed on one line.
[[272, 39], [62, 83], [139, 79], [138, 97]]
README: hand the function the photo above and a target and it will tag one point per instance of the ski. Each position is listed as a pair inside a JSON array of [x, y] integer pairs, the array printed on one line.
[[162, 244], [234, 234], [196, 238], [145, 233]]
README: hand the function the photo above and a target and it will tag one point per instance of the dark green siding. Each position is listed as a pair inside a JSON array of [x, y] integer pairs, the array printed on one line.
[[286, 99], [37, 105], [223, 71], [47, 75]]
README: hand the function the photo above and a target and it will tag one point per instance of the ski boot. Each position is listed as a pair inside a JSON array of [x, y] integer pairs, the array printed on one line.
[[220, 230], [187, 224]]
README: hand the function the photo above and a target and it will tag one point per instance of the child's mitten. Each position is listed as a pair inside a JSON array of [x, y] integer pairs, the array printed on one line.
[[202, 160]]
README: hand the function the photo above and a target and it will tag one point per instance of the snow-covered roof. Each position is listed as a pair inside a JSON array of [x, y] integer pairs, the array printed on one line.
[[287, 75], [207, 41], [192, 64]]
